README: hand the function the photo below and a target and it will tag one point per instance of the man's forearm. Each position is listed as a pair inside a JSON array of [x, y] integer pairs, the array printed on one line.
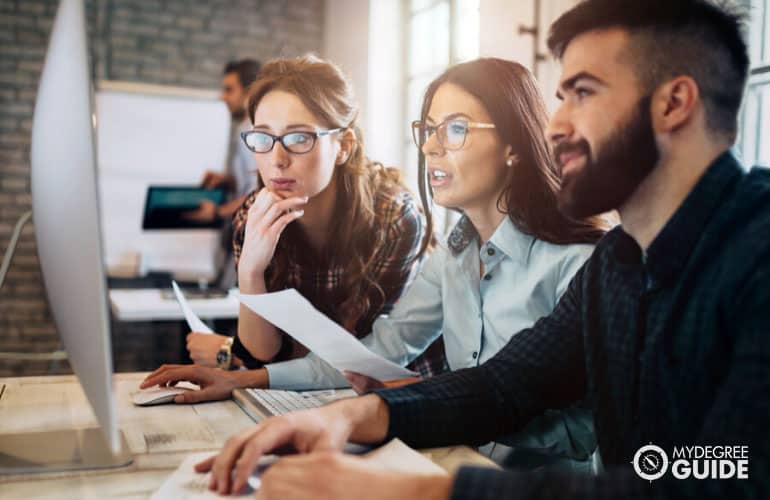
[[368, 416]]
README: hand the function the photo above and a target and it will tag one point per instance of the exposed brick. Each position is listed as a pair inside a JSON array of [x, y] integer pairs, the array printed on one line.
[[193, 23], [27, 95], [44, 24], [8, 124], [14, 184], [31, 8], [15, 170], [16, 21]]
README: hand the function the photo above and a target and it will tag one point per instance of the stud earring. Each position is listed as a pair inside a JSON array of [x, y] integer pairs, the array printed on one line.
[[509, 162]]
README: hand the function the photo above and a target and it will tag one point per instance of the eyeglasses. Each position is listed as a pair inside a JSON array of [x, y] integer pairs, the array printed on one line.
[[293, 142], [451, 134]]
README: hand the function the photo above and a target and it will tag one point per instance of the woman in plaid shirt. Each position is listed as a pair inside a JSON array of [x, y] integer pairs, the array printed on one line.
[[358, 235]]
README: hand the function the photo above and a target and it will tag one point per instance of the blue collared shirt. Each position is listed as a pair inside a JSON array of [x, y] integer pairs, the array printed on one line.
[[523, 280]]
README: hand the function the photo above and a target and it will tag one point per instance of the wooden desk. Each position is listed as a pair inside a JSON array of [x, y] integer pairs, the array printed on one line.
[[159, 437]]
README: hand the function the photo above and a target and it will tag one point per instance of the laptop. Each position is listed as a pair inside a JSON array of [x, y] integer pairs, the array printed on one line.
[[169, 207]]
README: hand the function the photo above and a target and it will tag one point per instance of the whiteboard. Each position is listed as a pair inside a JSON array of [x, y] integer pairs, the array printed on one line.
[[150, 135]]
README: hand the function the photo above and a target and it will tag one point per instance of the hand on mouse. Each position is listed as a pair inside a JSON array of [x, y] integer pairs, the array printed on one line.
[[215, 384]]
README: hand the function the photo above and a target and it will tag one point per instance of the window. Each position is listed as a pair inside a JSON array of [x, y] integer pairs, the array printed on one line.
[[756, 108], [439, 33]]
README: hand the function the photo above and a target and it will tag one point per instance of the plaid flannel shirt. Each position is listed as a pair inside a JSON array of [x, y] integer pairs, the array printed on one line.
[[319, 282]]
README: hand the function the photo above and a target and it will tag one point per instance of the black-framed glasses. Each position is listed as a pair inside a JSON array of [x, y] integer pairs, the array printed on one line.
[[293, 142], [451, 134]]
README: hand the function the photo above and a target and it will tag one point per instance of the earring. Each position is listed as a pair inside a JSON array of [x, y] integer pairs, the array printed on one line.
[[509, 162]]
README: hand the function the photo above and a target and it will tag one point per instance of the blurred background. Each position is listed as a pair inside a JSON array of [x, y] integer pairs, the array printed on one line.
[[390, 49]]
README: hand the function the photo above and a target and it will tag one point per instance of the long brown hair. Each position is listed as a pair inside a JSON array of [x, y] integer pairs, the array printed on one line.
[[510, 95], [327, 94]]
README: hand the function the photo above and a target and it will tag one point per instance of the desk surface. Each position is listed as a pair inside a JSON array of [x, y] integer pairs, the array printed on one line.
[[150, 305], [159, 437]]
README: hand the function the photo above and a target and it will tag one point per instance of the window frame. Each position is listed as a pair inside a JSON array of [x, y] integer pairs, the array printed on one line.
[[750, 134], [442, 219]]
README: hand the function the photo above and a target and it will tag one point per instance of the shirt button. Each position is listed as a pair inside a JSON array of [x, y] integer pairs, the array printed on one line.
[[490, 251], [487, 277], [475, 354]]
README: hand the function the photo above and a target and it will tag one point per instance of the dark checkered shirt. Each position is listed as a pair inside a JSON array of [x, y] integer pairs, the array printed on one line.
[[318, 281], [671, 348]]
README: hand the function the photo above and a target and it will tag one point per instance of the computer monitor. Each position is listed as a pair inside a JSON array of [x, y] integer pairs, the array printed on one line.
[[64, 199]]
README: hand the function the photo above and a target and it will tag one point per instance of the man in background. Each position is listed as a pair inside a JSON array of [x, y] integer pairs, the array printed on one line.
[[239, 177]]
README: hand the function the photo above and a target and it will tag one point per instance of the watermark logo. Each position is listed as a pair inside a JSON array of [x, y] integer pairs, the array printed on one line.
[[650, 462]]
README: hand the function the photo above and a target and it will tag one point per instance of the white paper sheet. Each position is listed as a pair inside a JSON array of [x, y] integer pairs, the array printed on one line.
[[186, 484], [294, 314], [398, 457], [193, 321]]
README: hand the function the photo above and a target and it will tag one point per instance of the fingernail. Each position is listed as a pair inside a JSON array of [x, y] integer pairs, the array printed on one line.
[[300, 213]]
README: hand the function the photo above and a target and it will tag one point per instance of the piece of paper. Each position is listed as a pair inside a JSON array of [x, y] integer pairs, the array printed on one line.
[[186, 484], [294, 314], [193, 321], [176, 434], [398, 457]]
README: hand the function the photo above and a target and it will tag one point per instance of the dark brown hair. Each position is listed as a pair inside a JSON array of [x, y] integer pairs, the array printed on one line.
[[699, 38], [246, 69], [510, 95], [327, 94]]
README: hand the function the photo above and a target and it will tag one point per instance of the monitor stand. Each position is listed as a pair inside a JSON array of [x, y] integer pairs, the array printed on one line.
[[57, 451]]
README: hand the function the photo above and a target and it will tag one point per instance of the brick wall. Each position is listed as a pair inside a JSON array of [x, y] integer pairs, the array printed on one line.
[[173, 42]]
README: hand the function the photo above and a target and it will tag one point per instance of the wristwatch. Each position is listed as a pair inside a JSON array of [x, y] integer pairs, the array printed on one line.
[[225, 354]]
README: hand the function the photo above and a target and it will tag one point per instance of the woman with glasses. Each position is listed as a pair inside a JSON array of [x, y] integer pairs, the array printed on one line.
[[324, 220]]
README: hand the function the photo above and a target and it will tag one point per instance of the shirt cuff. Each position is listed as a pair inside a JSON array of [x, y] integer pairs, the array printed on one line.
[[299, 374], [403, 404]]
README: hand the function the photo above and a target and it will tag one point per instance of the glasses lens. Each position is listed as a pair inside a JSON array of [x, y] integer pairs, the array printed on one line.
[[298, 142], [259, 142], [453, 134]]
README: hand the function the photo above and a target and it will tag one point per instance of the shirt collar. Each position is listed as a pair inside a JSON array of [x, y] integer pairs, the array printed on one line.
[[668, 253], [507, 238]]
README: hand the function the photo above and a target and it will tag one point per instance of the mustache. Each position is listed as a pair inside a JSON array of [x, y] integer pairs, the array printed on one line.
[[580, 146]]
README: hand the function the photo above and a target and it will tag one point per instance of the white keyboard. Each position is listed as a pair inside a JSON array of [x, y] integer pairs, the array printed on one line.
[[280, 402]]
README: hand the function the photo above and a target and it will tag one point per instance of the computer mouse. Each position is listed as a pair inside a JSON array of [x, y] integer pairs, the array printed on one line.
[[156, 395]]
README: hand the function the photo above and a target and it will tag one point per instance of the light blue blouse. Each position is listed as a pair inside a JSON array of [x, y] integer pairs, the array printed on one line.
[[523, 280]]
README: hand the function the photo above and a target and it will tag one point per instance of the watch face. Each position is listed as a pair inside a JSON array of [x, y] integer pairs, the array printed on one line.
[[221, 357]]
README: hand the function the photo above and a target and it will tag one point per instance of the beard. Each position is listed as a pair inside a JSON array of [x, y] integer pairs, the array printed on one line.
[[610, 177]]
